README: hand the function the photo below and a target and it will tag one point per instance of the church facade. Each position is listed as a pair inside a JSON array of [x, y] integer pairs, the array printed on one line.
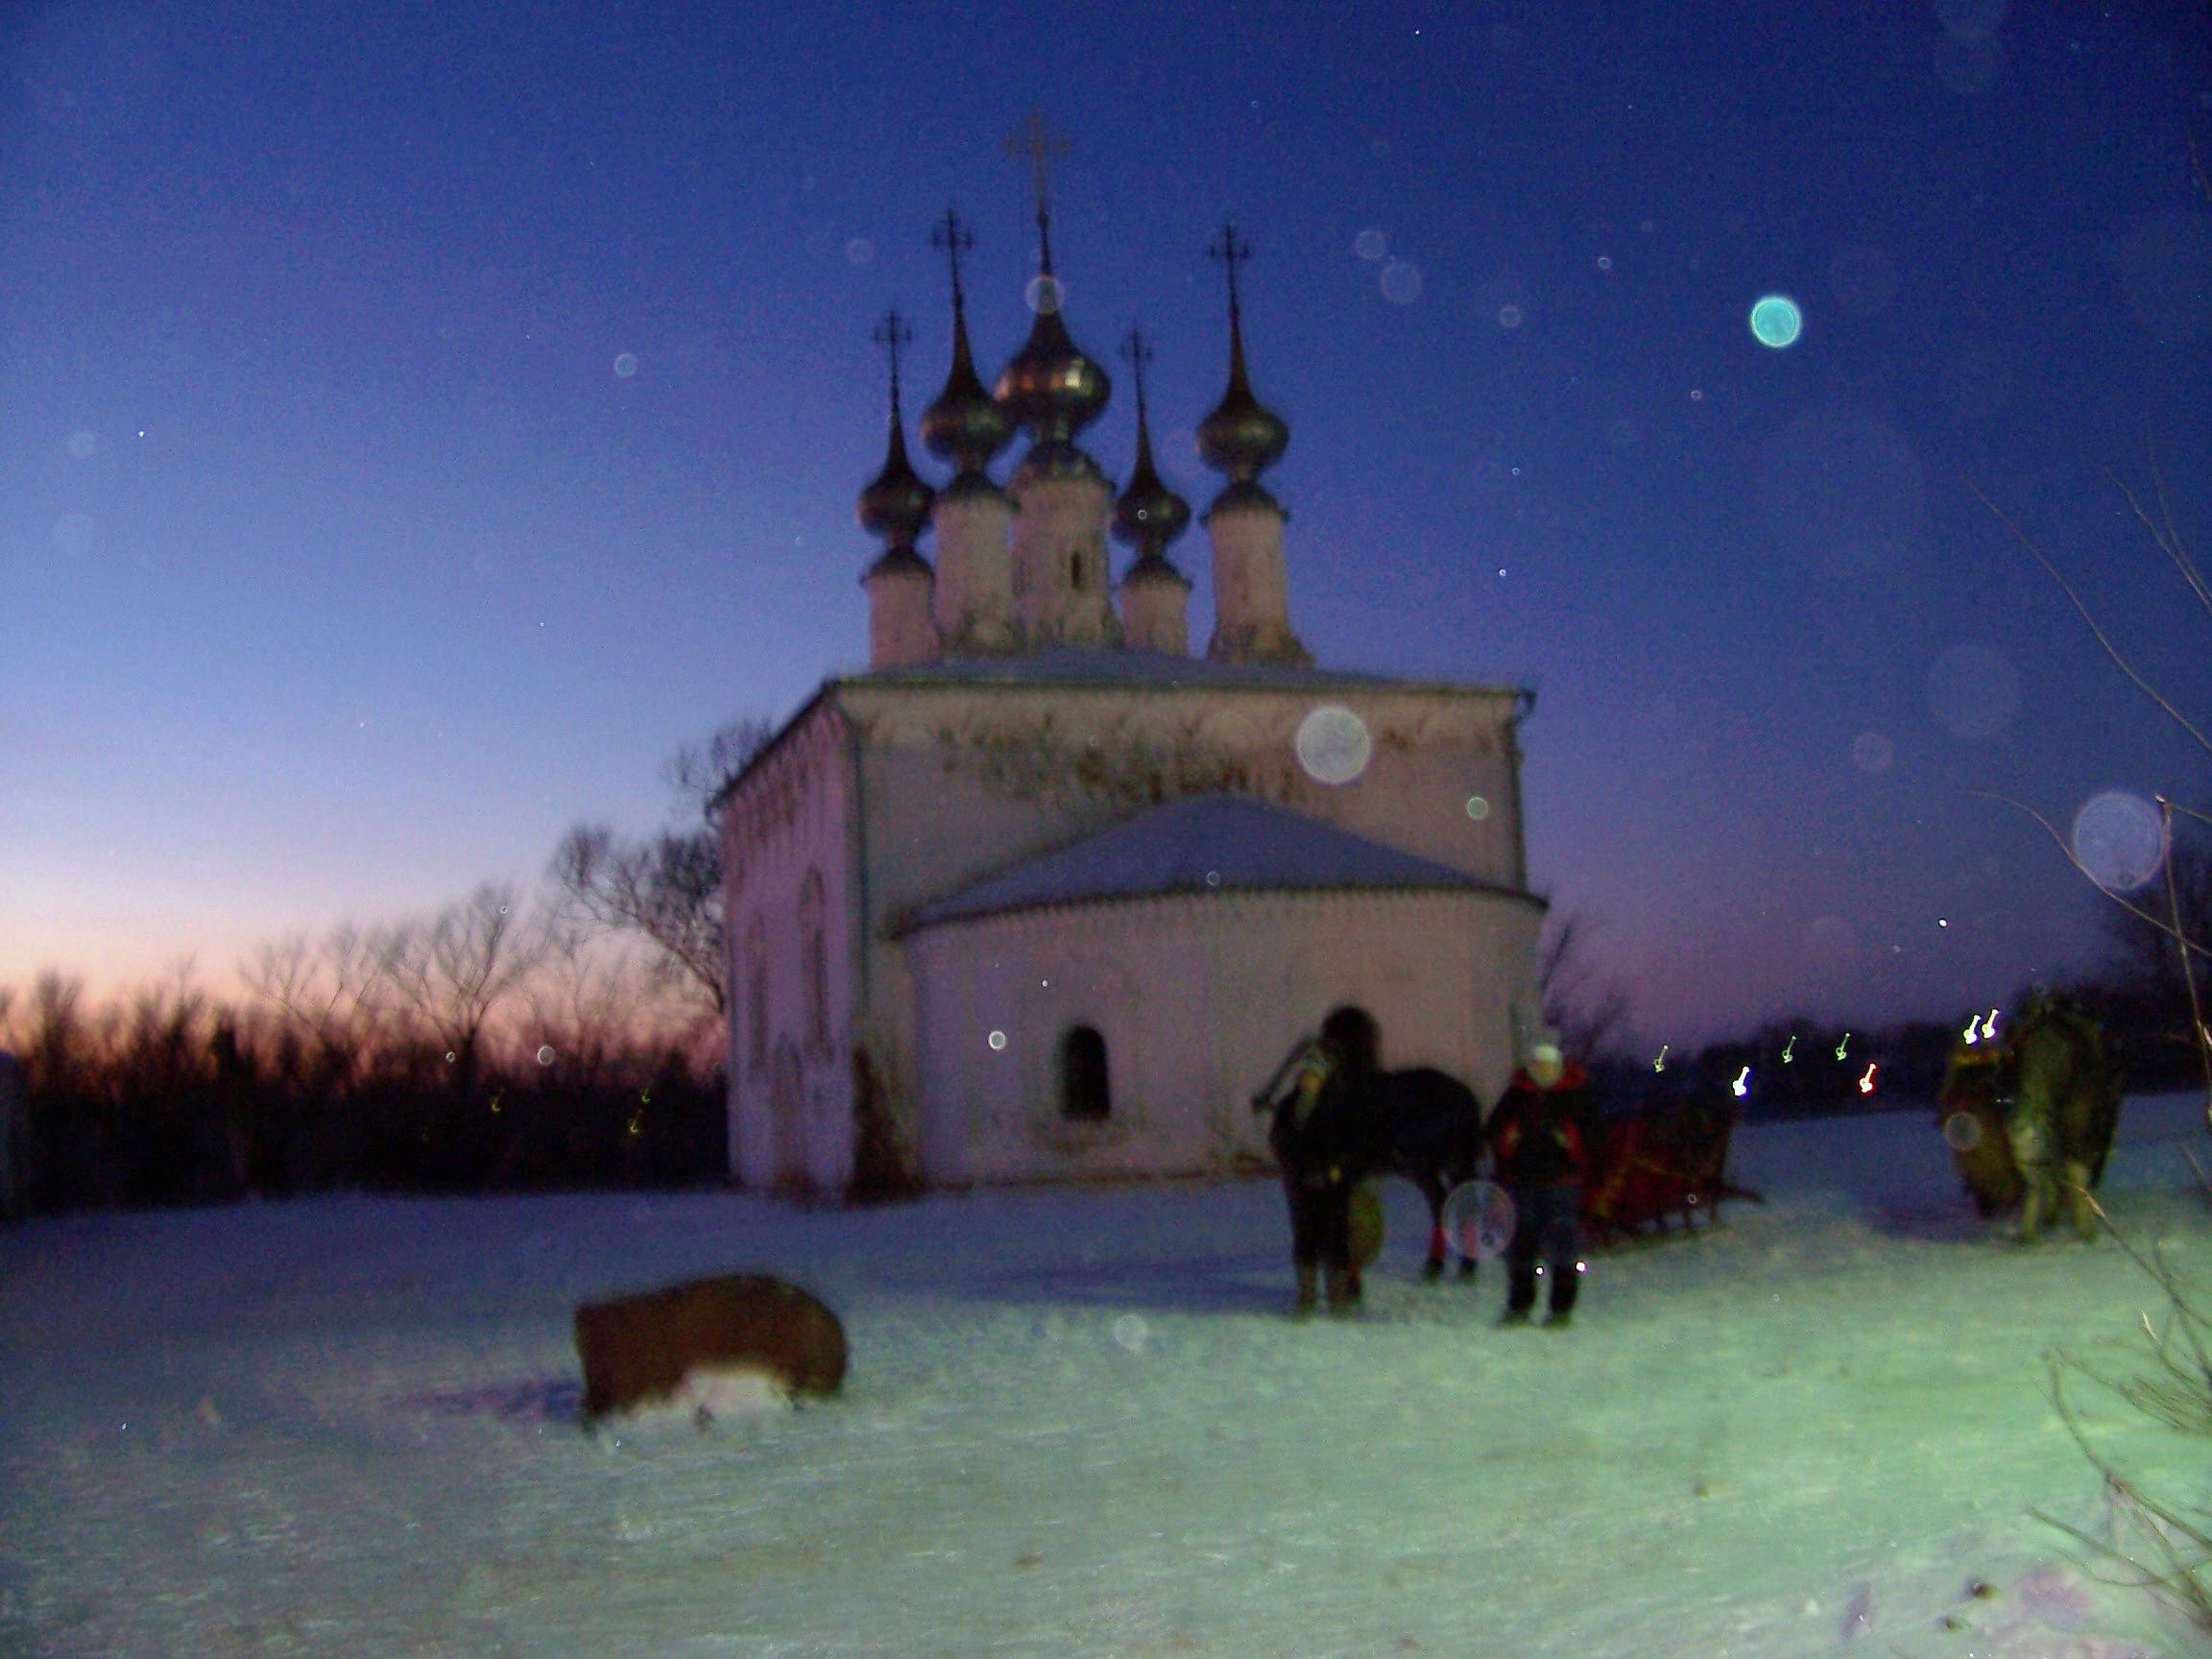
[[1043, 895]]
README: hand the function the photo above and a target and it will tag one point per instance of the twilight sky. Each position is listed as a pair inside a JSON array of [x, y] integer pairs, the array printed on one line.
[[417, 420]]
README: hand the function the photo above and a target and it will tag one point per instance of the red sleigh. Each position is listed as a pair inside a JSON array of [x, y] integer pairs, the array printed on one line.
[[1668, 1160]]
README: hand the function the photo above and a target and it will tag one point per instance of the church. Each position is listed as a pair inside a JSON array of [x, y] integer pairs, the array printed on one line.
[[1043, 895]]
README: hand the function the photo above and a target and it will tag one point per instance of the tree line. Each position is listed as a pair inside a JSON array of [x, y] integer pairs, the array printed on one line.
[[573, 1039]]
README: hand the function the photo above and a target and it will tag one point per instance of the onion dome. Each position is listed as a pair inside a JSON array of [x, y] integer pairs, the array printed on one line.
[[1149, 515], [896, 503], [963, 426], [1050, 386], [1241, 437]]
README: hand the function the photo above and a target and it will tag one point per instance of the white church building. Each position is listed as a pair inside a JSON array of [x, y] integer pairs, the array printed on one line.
[[1041, 896]]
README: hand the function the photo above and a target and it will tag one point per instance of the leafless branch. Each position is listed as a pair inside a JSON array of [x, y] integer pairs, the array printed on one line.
[[2096, 627]]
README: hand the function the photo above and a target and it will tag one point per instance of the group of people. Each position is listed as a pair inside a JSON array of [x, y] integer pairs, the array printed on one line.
[[1329, 1133]]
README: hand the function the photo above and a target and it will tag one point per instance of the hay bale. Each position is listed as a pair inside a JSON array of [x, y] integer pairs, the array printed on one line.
[[662, 1346]]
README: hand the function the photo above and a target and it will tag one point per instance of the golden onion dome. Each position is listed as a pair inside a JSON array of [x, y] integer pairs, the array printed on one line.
[[1241, 437], [1051, 386], [963, 426]]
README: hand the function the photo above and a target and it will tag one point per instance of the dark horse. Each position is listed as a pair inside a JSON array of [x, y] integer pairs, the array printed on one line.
[[1428, 1130], [2030, 1113]]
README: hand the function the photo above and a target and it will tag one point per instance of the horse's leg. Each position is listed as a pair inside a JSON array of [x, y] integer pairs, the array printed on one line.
[[2032, 1153], [2080, 1209], [1432, 1189]]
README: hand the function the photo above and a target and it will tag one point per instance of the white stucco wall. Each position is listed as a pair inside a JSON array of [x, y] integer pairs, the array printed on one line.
[[1197, 996], [903, 792], [790, 817]]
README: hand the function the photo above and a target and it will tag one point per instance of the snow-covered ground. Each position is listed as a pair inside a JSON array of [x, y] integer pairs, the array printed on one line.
[[1078, 1424]]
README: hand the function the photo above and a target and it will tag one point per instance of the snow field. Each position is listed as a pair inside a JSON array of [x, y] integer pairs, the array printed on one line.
[[1077, 1422]]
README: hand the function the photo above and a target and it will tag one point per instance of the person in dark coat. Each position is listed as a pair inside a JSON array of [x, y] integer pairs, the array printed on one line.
[[1325, 1138], [1540, 1135]]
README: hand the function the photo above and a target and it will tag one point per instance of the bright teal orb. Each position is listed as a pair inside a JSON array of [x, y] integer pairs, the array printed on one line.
[[1776, 321]]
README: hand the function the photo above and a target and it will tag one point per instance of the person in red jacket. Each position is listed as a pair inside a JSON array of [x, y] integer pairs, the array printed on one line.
[[1540, 1135]]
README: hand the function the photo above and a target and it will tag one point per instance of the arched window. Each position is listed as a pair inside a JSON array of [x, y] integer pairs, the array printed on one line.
[[814, 963], [1085, 1095], [757, 996], [1075, 570]]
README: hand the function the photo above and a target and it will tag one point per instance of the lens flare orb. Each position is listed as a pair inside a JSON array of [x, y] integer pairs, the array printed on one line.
[[1478, 1221]]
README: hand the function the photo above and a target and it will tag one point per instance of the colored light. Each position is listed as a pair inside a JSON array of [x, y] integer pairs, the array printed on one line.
[[1866, 1083], [1743, 1083], [1776, 322]]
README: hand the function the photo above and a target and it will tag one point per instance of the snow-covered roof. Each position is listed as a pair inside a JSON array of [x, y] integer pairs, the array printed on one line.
[[1102, 665], [1201, 843]]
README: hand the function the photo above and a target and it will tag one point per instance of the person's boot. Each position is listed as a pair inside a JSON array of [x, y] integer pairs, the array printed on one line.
[[1519, 1297], [1309, 1290], [1566, 1285]]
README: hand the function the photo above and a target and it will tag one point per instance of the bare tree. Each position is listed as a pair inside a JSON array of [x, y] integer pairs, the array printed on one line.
[[2178, 924], [331, 998], [2158, 1540], [667, 891], [586, 1006], [701, 775], [451, 971], [1587, 1008]]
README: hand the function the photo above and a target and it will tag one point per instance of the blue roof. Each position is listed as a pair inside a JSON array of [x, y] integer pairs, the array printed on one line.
[[1202, 844]]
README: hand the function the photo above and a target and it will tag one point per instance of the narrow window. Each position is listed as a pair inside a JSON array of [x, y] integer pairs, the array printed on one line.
[[814, 963], [1083, 1093], [757, 996], [1075, 570]]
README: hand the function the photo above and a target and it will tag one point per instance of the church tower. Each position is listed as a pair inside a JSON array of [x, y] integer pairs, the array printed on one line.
[[895, 506], [1147, 517], [1061, 594], [1242, 438], [965, 428]]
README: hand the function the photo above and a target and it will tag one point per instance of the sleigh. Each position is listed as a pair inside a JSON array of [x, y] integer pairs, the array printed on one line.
[[1668, 1160]]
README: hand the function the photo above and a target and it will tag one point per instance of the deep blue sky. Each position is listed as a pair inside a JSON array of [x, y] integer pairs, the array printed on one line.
[[339, 566]]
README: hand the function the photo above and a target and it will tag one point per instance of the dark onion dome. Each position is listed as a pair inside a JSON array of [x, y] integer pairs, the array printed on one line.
[[1050, 386], [963, 426], [896, 503], [1241, 437], [1149, 515]]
